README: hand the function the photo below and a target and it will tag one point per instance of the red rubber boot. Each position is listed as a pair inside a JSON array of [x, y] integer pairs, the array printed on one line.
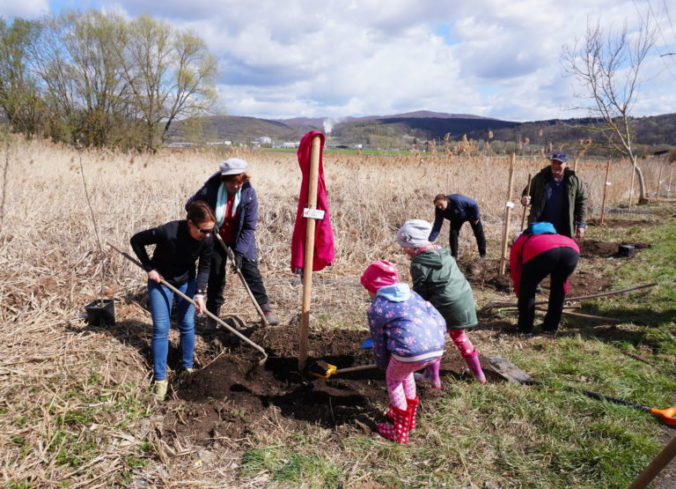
[[398, 431], [413, 410]]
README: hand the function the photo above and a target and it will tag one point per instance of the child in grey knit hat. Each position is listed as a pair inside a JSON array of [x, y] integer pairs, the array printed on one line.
[[437, 278]]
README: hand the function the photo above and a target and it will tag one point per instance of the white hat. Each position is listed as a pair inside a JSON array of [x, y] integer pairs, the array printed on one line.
[[232, 166], [414, 233]]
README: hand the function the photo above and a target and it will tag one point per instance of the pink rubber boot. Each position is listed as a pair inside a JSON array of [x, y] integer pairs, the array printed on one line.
[[475, 366]]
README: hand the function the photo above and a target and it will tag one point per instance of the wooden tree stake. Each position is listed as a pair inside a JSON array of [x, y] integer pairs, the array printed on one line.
[[308, 254], [659, 182], [508, 214], [525, 207], [631, 185], [605, 192]]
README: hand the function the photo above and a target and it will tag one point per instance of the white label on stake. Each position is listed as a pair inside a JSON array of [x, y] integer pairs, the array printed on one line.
[[313, 213], [510, 205], [608, 184]]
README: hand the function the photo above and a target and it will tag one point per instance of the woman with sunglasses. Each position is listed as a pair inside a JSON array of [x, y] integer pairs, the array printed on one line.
[[232, 198], [179, 244]]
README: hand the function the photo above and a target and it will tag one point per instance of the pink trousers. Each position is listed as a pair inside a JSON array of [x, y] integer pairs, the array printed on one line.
[[400, 380]]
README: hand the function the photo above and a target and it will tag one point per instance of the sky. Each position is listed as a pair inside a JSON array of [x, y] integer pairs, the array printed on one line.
[[338, 58]]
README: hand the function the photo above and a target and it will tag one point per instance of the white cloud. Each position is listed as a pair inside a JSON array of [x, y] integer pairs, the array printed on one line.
[[24, 8], [498, 58]]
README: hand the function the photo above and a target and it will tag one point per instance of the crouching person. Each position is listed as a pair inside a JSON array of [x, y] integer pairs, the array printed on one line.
[[539, 251], [408, 335], [437, 278], [179, 244]]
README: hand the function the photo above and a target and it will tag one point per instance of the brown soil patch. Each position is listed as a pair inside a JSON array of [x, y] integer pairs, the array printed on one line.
[[231, 394], [590, 248], [621, 223], [483, 274]]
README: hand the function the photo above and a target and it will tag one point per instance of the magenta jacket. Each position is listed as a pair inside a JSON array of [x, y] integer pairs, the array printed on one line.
[[324, 251], [528, 246]]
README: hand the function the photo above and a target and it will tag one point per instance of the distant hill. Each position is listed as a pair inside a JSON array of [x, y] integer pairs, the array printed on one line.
[[400, 130], [650, 130], [231, 128]]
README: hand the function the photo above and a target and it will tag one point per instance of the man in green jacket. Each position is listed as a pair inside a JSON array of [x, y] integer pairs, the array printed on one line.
[[557, 195]]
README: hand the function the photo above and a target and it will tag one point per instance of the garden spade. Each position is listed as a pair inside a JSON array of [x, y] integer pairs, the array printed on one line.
[[511, 372], [231, 257], [208, 314], [324, 370]]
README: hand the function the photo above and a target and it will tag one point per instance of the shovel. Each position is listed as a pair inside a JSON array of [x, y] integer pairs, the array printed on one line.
[[511, 372], [326, 370], [231, 257], [212, 316]]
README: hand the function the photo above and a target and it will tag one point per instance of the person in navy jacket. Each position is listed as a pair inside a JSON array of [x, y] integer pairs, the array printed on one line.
[[458, 209], [539, 251], [232, 198]]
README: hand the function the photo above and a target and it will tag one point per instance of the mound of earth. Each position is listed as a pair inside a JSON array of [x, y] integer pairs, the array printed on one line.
[[621, 223], [483, 274], [229, 397], [590, 248]]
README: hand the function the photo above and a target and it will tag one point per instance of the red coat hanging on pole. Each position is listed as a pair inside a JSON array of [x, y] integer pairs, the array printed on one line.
[[324, 252]]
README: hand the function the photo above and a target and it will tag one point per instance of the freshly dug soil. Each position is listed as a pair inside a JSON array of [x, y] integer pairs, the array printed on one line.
[[621, 223], [590, 248], [228, 394], [228, 397]]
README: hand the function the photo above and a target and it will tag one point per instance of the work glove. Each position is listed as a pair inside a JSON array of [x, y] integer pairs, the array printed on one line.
[[237, 262]]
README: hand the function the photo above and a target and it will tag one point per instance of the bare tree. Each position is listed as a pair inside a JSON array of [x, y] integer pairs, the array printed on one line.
[[170, 74], [192, 91], [608, 65], [83, 77]]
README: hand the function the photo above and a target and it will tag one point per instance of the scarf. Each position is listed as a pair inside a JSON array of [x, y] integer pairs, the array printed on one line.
[[222, 202]]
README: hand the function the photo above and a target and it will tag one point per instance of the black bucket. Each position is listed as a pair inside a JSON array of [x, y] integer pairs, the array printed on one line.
[[625, 250], [101, 312]]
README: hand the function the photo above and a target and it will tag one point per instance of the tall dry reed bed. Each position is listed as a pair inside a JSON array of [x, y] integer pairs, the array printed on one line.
[[63, 386]]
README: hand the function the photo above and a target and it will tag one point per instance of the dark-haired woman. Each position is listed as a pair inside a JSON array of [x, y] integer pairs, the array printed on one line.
[[179, 244], [235, 205]]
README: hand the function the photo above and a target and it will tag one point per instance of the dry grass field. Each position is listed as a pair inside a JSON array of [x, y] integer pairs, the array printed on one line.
[[75, 409]]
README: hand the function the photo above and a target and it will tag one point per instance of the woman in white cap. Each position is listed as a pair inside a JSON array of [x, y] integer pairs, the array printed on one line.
[[235, 205], [437, 278]]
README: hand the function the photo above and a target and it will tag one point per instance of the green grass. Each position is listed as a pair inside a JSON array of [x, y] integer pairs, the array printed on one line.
[[290, 468], [545, 436], [653, 310]]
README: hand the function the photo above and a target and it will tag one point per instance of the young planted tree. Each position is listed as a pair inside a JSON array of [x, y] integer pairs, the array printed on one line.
[[608, 67], [19, 96]]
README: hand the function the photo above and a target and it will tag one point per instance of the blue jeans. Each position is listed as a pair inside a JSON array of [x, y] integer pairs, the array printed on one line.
[[160, 299]]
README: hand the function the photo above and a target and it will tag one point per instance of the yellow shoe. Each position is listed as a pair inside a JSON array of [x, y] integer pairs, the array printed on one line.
[[160, 389]]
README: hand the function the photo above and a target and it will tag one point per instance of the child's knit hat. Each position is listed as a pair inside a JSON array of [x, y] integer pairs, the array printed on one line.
[[414, 233], [379, 274]]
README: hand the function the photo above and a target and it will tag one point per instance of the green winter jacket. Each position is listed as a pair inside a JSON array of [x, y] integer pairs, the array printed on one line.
[[437, 278], [576, 194]]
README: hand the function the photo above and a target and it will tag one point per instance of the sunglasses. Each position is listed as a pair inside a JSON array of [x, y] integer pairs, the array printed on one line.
[[206, 231]]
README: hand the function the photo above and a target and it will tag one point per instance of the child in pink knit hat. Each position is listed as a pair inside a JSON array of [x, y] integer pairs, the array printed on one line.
[[408, 335]]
